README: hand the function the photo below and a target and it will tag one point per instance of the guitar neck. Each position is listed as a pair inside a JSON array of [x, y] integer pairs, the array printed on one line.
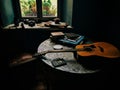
[[56, 51], [66, 50]]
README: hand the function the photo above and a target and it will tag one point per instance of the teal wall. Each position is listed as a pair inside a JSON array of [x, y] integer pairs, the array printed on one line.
[[7, 13], [67, 11]]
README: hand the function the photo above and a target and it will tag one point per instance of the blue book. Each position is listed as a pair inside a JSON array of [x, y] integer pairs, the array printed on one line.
[[78, 40]]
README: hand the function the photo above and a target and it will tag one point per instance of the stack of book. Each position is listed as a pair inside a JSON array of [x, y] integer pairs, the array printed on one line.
[[72, 38], [55, 36]]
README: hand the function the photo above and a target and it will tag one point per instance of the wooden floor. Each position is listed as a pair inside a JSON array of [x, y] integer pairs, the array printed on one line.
[[40, 86]]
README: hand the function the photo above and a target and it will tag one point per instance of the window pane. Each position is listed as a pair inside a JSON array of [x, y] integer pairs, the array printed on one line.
[[28, 8], [49, 8]]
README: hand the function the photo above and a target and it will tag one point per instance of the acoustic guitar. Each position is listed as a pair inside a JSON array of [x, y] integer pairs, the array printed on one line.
[[102, 49]]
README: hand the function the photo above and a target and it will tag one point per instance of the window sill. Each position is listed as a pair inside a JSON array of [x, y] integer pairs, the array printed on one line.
[[40, 26]]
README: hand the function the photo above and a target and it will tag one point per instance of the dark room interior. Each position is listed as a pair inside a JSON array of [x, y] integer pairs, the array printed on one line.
[[97, 20]]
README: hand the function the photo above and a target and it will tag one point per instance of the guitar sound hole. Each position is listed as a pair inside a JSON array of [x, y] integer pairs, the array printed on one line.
[[89, 48], [101, 49]]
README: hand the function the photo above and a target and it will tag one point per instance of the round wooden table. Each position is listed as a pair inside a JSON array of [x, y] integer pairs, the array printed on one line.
[[72, 65]]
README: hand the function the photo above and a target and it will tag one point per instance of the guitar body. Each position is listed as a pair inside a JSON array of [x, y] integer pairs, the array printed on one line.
[[101, 49]]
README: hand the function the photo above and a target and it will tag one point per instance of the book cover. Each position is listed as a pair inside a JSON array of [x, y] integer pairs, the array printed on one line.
[[72, 39]]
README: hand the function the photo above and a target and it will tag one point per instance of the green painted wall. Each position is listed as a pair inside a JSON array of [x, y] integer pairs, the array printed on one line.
[[7, 13], [67, 11]]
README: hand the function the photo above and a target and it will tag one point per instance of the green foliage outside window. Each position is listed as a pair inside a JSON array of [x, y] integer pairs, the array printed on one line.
[[28, 8], [49, 8]]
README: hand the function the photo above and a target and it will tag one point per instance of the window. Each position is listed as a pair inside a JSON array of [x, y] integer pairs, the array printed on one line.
[[49, 8], [39, 8], [28, 8]]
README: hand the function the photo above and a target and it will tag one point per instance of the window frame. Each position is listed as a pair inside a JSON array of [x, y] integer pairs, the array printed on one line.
[[39, 10]]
